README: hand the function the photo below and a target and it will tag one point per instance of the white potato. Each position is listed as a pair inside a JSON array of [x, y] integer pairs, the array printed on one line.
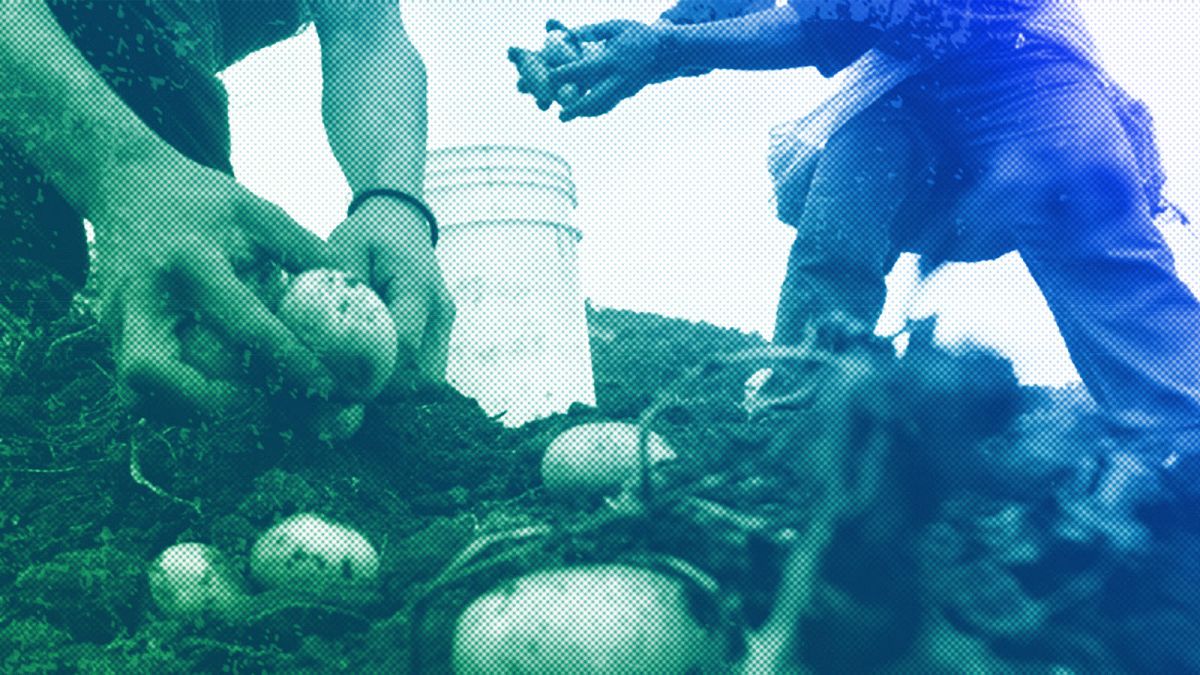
[[193, 579], [599, 620], [307, 553], [597, 459], [347, 325]]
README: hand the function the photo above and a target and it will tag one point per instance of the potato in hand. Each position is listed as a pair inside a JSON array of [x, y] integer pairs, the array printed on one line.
[[349, 328]]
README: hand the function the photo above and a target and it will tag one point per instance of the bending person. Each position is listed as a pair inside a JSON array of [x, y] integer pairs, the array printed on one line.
[[113, 113], [1001, 132]]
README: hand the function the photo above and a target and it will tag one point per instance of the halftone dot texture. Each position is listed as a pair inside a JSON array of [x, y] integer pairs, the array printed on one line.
[[953, 521]]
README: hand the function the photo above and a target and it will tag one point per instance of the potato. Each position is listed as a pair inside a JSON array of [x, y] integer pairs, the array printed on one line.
[[308, 554], [600, 620], [341, 319], [195, 580], [597, 459]]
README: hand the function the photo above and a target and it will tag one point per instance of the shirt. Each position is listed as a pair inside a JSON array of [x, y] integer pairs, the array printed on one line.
[[934, 29], [899, 38], [161, 58]]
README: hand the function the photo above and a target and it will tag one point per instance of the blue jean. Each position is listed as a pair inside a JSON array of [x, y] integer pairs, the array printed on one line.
[[1011, 149]]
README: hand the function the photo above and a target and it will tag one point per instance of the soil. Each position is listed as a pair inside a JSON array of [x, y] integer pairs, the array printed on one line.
[[976, 546]]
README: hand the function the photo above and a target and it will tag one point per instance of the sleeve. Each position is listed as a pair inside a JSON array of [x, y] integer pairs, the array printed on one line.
[[250, 26], [930, 29], [702, 11]]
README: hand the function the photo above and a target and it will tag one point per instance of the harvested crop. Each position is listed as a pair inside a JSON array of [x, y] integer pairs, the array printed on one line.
[[196, 580], [597, 459], [600, 620], [309, 554], [346, 324]]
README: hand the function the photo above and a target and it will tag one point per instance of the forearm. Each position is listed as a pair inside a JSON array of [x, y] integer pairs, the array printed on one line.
[[60, 114], [769, 40], [374, 99], [830, 34]]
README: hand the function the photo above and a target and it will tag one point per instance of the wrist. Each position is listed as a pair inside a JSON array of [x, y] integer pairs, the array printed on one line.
[[405, 216], [669, 59], [135, 167]]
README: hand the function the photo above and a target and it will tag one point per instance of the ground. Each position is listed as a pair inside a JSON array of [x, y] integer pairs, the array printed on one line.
[[977, 549]]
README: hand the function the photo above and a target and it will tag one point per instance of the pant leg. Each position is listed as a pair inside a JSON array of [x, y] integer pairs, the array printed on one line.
[[1060, 174], [843, 246]]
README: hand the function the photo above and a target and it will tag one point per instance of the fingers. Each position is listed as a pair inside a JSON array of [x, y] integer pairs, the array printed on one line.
[[241, 315], [423, 313], [597, 101], [591, 66], [149, 365], [435, 352], [596, 32], [409, 298], [296, 248], [535, 78], [557, 51], [409, 305], [569, 95]]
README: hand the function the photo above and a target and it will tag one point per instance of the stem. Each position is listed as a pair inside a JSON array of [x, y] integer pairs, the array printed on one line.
[[135, 472]]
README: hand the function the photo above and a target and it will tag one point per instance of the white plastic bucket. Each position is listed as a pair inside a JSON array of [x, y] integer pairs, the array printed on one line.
[[508, 253]]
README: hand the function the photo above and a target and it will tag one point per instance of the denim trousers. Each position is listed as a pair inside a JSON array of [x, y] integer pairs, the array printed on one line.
[[1010, 148]]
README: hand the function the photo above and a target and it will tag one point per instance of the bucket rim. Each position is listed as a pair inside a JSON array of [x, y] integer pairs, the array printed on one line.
[[569, 194], [451, 150], [439, 174], [480, 223]]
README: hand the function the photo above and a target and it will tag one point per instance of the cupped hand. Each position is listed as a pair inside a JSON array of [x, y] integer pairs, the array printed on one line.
[[631, 56], [175, 241], [387, 243]]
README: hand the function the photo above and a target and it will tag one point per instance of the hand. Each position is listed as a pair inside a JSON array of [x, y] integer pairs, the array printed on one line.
[[176, 240], [533, 69], [631, 56], [533, 75], [386, 242]]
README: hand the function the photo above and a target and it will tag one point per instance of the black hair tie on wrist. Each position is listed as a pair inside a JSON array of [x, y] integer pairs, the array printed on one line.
[[404, 197]]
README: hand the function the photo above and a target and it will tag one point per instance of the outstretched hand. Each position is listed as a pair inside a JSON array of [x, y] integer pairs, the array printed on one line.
[[386, 242], [177, 242], [615, 60], [632, 56]]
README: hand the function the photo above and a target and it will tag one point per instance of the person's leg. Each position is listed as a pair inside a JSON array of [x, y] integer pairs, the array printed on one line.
[[1062, 177], [843, 245]]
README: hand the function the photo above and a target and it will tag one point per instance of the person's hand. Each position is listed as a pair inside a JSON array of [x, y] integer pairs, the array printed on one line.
[[632, 55], [533, 68], [533, 75], [386, 243], [178, 241]]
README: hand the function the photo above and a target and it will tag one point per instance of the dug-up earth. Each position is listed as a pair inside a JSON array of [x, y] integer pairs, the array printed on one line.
[[978, 546]]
